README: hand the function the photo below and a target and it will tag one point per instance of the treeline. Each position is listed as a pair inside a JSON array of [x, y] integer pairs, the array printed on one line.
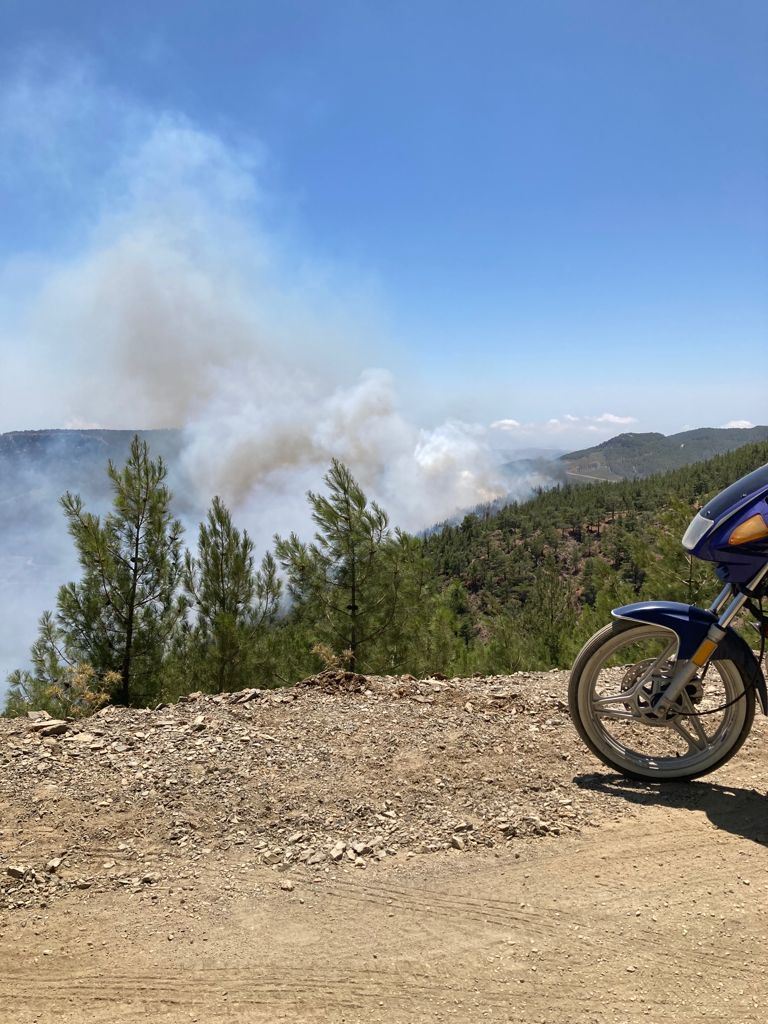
[[517, 588]]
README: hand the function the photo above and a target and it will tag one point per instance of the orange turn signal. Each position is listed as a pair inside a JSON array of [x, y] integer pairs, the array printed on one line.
[[704, 652], [752, 529]]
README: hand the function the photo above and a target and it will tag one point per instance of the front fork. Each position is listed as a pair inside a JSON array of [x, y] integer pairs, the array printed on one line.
[[728, 604]]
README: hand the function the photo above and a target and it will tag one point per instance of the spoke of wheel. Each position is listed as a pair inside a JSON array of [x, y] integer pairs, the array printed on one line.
[[614, 698], [622, 716], [626, 696], [695, 721], [694, 743], [665, 655]]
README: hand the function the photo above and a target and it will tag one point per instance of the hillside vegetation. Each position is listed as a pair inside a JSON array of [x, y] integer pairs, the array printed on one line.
[[504, 590], [639, 455], [532, 581]]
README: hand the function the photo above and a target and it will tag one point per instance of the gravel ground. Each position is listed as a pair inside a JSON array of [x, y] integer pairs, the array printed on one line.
[[371, 851], [339, 769]]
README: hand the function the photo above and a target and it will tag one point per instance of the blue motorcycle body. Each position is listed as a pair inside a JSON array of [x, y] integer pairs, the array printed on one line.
[[641, 693]]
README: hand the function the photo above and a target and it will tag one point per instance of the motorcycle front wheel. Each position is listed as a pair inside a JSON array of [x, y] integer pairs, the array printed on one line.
[[614, 683]]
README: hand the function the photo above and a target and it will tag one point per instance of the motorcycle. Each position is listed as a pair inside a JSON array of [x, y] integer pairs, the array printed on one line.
[[667, 691]]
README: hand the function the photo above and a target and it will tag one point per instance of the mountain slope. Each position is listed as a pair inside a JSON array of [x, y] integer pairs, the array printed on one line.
[[639, 455], [538, 577], [37, 466]]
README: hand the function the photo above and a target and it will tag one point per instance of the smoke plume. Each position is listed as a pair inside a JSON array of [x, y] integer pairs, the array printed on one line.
[[181, 309], [172, 303]]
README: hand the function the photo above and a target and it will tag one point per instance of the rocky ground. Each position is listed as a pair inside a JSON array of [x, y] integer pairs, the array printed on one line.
[[340, 769], [364, 848]]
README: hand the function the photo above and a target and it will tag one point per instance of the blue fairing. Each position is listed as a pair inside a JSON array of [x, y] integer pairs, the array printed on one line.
[[689, 622], [709, 535]]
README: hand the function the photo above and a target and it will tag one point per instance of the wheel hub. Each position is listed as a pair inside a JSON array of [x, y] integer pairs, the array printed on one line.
[[644, 704]]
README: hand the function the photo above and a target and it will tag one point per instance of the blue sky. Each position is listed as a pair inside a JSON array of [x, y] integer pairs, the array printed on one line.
[[553, 213]]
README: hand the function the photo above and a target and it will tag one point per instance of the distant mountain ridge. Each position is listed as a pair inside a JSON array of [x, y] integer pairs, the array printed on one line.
[[36, 466], [54, 448], [632, 456], [26, 447]]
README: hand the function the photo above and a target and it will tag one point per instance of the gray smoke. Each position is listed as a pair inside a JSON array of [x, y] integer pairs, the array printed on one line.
[[181, 311], [178, 308]]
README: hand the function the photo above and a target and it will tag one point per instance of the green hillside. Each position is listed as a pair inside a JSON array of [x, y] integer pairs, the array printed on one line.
[[639, 455], [532, 581]]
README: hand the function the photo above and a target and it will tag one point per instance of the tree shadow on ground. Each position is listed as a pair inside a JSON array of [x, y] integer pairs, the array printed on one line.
[[742, 812]]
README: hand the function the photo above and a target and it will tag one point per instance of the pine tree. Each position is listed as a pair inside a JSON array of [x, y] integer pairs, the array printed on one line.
[[233, 603], [350, 586], [120, 615], [55, 684], [668, 568], [549, 615]]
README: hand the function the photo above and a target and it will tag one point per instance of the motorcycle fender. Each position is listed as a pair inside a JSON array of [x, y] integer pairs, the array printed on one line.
[[691, 624]]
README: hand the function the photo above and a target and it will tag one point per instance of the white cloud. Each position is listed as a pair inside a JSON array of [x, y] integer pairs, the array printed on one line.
[[566, 424], [738, 425], [609, 417]]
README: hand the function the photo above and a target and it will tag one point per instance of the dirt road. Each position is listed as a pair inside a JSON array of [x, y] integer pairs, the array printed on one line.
[[657, 913]]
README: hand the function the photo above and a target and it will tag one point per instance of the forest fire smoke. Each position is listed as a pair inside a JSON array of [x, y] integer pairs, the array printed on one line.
[[181, 310], [174, 306]]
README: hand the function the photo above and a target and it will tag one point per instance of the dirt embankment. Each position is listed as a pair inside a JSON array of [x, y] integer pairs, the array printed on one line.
[[363, 849]]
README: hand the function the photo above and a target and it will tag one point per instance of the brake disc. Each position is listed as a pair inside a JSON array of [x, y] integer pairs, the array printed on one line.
[[652, 690]]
